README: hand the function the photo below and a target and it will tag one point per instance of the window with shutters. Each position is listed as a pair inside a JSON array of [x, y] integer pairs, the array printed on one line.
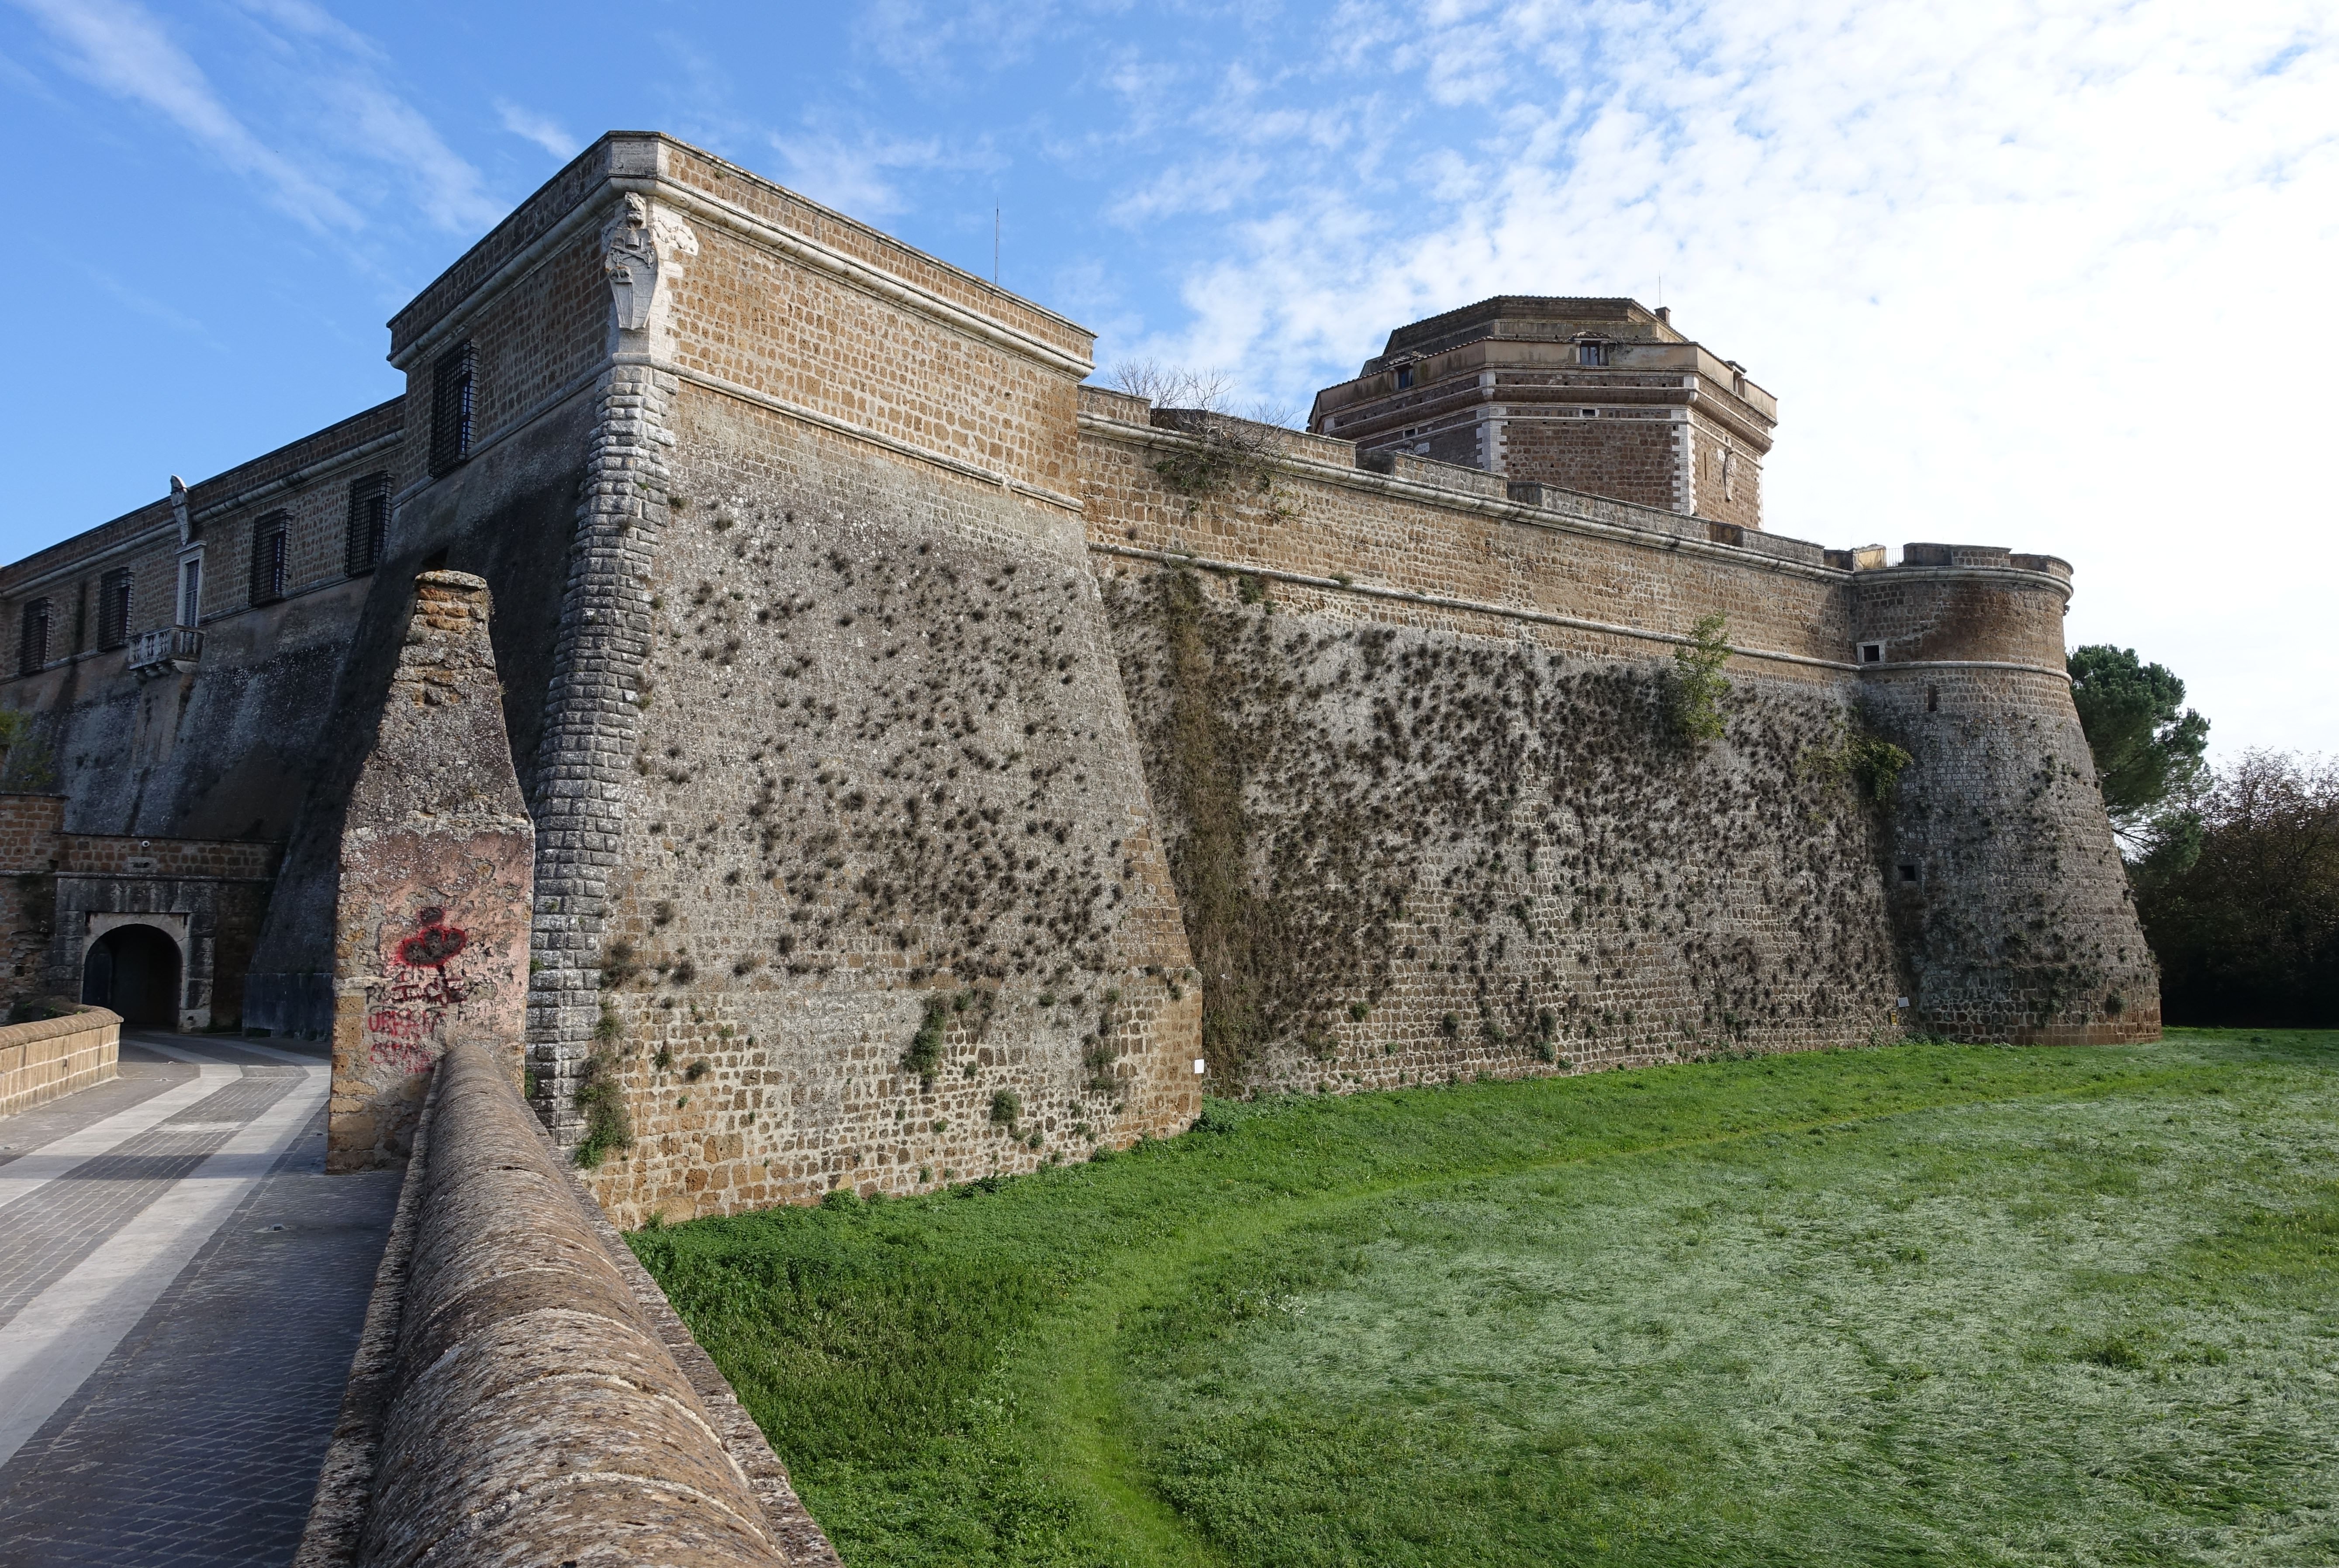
[[450, 410], [191, 591], [369, 522], [269, 547], [113, 609], [33, 638]]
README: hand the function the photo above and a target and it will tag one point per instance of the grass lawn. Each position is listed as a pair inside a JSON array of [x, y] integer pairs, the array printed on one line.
[[1917, 1304]]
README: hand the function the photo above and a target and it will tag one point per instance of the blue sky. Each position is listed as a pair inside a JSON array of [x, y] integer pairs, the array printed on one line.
[[2055, 276]]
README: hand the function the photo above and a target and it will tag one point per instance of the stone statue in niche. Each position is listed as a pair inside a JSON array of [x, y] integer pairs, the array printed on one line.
[[639, 243]]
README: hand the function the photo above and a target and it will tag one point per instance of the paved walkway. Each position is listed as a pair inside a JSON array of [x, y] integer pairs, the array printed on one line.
[[182, 1288]]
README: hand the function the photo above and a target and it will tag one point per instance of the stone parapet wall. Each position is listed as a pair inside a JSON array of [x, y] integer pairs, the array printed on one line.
[[1603, 562], [50, 1057], [516, 1397]]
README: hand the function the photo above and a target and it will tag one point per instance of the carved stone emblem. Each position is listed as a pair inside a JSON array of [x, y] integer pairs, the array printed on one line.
[[640, 243]]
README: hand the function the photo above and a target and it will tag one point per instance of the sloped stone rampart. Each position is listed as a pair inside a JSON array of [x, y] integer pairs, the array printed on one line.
[[1408, 852], [882, 786], [518, 1399]]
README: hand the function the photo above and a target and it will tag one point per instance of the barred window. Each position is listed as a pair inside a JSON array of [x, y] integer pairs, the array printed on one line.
[[33, 638], [268, 558], [450, 410], [113, 609], [369, 522]]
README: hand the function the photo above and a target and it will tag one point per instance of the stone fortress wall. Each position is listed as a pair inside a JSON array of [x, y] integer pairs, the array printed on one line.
[[926, 768]]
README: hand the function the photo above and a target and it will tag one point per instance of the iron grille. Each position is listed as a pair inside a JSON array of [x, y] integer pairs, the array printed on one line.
[[268, 562], [113, 609], [450, 410], [369, 522]]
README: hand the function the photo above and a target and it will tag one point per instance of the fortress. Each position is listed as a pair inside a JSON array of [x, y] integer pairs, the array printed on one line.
[[939, 767]]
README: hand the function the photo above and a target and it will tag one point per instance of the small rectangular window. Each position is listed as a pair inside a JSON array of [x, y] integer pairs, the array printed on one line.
[[113, 609], [450, 410], [1908, 874], [1932, 699], [1590, 353], [33, 638], [268, 558], [369, 522], [1405, 377], [190, 592], [1871, 652], [1588, 413]]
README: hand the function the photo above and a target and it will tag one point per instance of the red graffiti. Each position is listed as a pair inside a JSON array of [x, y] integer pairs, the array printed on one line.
[[435, 944], [419, 988], [388, 1022]]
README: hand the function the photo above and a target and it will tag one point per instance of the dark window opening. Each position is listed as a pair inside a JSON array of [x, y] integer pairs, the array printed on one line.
[[450, 410], [1589, 413], [33, 638], [1405, 377], [1908, 874], [1871, 652], [113, 609], [268, 558], [1590, 353], [1932, 699], [369, 522]]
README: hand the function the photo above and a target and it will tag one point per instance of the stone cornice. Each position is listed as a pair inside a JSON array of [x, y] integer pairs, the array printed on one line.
[[591, 210], [1447, 602], [2010, 577]]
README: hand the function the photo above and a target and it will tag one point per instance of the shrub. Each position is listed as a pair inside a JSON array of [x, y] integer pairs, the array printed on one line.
[[602, 1100], [1696, 684], [925, 1056]]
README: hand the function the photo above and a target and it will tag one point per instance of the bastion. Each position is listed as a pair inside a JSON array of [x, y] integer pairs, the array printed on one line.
[[938, 767]]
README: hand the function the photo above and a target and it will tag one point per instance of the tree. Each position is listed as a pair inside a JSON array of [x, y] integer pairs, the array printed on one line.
[[2248, 932], [2148, 747]]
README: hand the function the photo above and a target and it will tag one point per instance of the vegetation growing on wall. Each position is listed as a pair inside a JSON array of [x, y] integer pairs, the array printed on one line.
[[600, 1099], [1696, 687], [1402, 852], [1860, 761]]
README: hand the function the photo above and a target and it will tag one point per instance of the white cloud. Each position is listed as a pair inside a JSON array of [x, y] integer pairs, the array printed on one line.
[[853, 176], [2040, 275], [121, 48], [330, 97], [540, 129]]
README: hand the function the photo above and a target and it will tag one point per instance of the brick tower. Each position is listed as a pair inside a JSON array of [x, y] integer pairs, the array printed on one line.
[[1602, 396]]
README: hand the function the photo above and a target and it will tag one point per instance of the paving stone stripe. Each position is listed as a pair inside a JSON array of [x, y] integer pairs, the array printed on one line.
[[64, 1222], [37, 1167], [63, 1335], [197, 1442]]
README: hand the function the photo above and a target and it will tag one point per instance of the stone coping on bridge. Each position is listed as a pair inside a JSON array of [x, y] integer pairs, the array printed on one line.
[[522, 1393], [49, 1057]]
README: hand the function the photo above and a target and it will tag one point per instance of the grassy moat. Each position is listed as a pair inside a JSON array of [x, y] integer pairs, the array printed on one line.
[[1917, 1305]]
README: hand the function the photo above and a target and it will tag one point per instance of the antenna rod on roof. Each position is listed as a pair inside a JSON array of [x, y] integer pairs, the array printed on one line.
[[994, 247]]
